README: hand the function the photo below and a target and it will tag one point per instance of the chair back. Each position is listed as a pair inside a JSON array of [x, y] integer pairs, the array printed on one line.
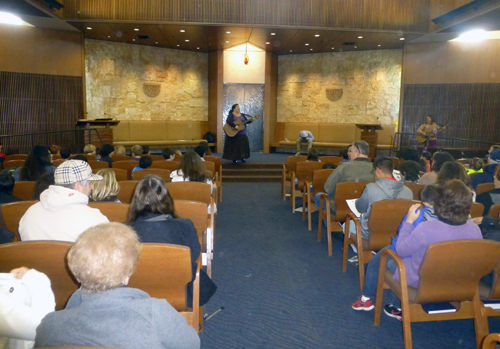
[[331, 159], [346, 191], [126, 192], [494, 211], [58, 162], [166, 165], [24, 190], [178, 158], [395, 161], [48, 257], [385, 218], [153, 157], [13, 163], [121, 175], [163, 272], [319, 179], [115, 212], [195, 211], [210, 166], [55, 156], [164, 174], [481, 188], [476, 210], [463, 161], [216, 160], [90, 157], [291, 162], [192, 191], [12, 214], [120, 157], [127, 165], [97, 165], [304, 171], [16, 157], [451, 270], [415, 188]]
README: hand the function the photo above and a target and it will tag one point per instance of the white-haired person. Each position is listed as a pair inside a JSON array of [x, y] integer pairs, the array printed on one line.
[[104, 313]]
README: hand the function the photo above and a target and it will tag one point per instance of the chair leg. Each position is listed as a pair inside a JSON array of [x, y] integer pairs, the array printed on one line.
[[201, 319], [346, 246], [304, 207], [480, 321], [361, 269], [309, 217], [405, 318], [292, 198], [379, 294], [329, 234], [320, 221]]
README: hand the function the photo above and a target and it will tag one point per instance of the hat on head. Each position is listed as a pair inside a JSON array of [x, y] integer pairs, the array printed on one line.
[[495, 155], [303, 134], [72, 171]]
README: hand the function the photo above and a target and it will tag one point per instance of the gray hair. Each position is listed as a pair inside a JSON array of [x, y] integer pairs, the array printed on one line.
[[362, 147], [72, 185]]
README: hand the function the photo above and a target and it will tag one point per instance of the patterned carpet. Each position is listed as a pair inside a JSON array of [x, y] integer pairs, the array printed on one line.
[[281, 290]]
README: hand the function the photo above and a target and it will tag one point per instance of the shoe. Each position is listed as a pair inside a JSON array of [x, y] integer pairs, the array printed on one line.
[[360, 305], [353, 260], [392, 311]]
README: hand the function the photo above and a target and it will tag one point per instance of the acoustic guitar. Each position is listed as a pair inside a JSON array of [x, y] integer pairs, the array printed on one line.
[[423, 138], [231, 131]]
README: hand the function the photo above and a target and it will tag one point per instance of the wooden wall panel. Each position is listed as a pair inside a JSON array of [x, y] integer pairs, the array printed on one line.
[[40, 51], [216, 95], [406, 15], [270, 100]]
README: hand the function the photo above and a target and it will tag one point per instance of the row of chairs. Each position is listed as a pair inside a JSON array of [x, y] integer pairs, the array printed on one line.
[[115, 157]]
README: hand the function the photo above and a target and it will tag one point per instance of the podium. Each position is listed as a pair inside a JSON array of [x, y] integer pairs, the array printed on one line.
[[369, 135], [103, 134]]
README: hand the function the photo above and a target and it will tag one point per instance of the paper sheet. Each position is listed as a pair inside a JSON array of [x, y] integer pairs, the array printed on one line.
[[352, 206]]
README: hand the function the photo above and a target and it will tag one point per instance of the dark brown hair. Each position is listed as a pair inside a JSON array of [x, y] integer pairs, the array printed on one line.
[[151, 196], [312, 155], [35, 164], [453, 202], [453, 170], [193, 168]]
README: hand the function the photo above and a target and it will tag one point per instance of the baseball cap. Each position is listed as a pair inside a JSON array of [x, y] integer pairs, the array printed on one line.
[[72, 171], [495, 155], [303, 134]]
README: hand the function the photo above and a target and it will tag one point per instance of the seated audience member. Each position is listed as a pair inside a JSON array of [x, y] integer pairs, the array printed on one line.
[[304, 136], [492, 148], [489, 170], [200, 151], [205, 146], [453, 170], [106, 152], [491, 197], [438, 160], [328, 166], [146, 150], [144, 163], [345, 155], [178, 152], [2, 155], [106, 189], [25, 299], [79, 157], [43, 183], [410, 171], [36, 164], [168, 154], [119, 150], [65, 153], [89, 149], [104, 313], [62, 213], [55, 150], [136, 152], [365, 302], [313, 155], [425, 161], [359, 168], [476, 166], [153, 217], [6, 187], [385, 187], [406, 154]]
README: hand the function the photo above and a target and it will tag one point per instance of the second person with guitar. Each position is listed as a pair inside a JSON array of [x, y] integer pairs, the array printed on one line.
[[236, 146]]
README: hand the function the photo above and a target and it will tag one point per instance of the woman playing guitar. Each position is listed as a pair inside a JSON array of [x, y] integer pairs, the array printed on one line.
[[426, 133], [236, 146]]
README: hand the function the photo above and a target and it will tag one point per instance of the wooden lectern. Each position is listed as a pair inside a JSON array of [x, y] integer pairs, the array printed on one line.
[[369, 135], [102, 127]]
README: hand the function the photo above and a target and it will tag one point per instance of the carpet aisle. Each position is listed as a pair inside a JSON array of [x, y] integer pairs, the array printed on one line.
[[281, 290]]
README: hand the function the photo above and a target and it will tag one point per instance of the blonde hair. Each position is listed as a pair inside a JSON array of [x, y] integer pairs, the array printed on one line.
[[105, 188], [89, 148], [119, 150], [104, 257], [137, 150]]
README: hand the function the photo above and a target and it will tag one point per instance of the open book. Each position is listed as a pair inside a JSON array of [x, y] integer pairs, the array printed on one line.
[[352, 205]]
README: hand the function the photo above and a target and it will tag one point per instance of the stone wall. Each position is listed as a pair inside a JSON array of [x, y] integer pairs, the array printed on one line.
[[367, 82], [115, 76]]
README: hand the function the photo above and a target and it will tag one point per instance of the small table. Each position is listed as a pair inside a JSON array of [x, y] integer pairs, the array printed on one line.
[[370, 136], [103, 129]]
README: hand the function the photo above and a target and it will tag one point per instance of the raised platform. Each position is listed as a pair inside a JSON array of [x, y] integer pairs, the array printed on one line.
[[251, 172]]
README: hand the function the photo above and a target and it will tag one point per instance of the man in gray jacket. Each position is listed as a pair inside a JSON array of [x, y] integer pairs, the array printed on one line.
[[384, 188], [359, 168]]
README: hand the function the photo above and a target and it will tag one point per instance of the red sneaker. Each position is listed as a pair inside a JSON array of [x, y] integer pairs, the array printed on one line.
[[360, 305]]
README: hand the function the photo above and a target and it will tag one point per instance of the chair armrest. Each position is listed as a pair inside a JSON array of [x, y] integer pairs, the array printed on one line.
[[491, 341], [359, 240], [324, 198], [307, 191], [401, 268], [283, 171]]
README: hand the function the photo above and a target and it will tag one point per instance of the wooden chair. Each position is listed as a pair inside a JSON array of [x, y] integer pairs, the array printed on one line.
[[286, 172], [385, 218], [127, 165], [121, 175], [344, 191], [12, 214], [97, 165], [450, 272], [126, 192], [415, 188], [13, 163], [178, 158], [336, 160], [166, 165], [16, 157], [218, 168], [304, 173], [211, 168], [90, 157], [491, 341], [153, 157], [164, 174], [115, 212], [481, 188], [494, 211], [55, 157], [120, 157], [24, 190], [163, 272], [48, 257], [463, 161], [58, 162], [318, 182], [476, 210], [472, 174]]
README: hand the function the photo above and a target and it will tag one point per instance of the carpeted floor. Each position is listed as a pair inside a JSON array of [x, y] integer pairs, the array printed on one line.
[[281, 290]]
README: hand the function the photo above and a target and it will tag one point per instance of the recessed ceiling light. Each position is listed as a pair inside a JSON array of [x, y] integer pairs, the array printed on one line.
[[333, 48], [197, 48], [290, 50], [273, 33], [178, 45], [227, 42], [316, 36], [182, 31], [136, 29], [89, 28], [360, 37], [228, 32], [267, 42], [186, 40], [379, 45], [109, 36], [401, 38], [133, 39], [307, 44], [311, 49], [355, 46], [156, 42], [9, 18]]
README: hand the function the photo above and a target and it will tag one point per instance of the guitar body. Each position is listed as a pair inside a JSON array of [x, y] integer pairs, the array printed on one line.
[[231, 131], [423, 138]]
